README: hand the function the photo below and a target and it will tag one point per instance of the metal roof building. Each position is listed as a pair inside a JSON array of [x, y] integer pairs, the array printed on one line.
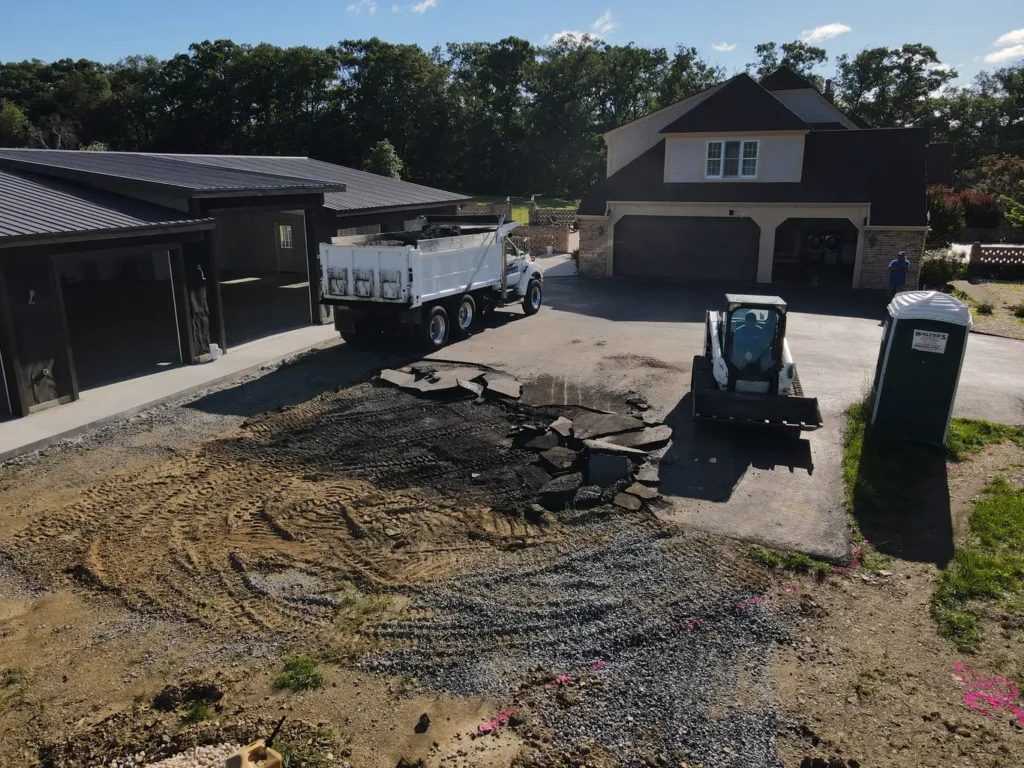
[[116, 264]]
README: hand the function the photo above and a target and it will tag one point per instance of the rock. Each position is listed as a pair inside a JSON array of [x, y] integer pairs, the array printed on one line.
[[559, 459], [642, 491], [648, 474], [602, 446], [560, 490], [604, 469], [423, 724], [587, 496], [503, 386], [398, 379], [590, 425], [647, 438], [624, 500], [471, 386], [562, 426], [543, 442]]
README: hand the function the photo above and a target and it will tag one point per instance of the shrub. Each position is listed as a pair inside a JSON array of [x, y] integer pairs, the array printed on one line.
[[946, 216], [941, 267], [1018, 310], [985, 308], [981, 209]]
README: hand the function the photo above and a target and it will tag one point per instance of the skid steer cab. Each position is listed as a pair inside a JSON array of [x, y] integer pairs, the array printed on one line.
[[747, 373]]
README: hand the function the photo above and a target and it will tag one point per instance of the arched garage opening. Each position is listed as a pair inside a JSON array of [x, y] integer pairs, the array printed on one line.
[[687, 247], [815, 251]]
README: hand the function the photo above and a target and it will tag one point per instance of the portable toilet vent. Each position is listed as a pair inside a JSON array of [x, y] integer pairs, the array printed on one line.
[[919, 364]]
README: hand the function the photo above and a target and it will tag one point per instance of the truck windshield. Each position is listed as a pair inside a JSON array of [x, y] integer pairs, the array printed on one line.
[[753, 338]]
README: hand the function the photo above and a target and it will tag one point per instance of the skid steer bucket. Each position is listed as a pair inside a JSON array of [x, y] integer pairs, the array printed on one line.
[[745, 407]]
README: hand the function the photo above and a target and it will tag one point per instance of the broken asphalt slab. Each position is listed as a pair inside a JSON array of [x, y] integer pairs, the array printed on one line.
[[502, 386], [604, 469], [559, 459], [645, 439], [562, 426], [642, 492], [591, 425], [559, 491], [603, 446], [543, 442], [626, 501]]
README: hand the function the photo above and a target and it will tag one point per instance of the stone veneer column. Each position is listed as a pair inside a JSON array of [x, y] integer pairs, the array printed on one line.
[[595, 246], [875, 258]]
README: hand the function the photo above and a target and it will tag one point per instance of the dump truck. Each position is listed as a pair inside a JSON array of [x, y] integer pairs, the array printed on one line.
[[747, 373], [431, 283]]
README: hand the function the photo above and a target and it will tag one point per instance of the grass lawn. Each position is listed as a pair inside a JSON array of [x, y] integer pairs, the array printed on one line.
[[897, 495], [520, 205]]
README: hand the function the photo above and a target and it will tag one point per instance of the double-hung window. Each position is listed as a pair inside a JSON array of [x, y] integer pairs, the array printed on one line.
[[731, 159]]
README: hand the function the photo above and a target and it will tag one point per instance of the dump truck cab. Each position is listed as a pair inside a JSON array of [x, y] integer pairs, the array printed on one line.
[[747, 372]]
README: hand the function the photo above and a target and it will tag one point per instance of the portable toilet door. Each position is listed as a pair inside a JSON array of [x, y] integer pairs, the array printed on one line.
[[919, 363]]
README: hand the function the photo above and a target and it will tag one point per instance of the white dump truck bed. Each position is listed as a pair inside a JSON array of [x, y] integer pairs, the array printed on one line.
[[365, 268]]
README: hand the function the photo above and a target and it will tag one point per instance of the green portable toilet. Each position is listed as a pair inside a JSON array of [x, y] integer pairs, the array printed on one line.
[[919, 363]]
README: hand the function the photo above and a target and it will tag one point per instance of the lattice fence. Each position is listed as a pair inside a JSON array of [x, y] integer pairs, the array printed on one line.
[[996, 262]]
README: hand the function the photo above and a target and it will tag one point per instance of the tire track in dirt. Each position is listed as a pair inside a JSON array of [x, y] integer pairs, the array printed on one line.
[[366, 486]]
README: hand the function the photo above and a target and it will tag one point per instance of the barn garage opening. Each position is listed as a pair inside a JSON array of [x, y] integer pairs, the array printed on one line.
[[261, 261], [687, 247], [815, 252], [120, 314]]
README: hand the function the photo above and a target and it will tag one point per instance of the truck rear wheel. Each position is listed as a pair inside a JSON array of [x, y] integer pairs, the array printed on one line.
[[533, 298], [435, 328], [465, 316]]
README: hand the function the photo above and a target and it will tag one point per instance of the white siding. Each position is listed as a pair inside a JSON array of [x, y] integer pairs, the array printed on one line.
[[685, 158], [812, 107], [627, 143], [780, 158]]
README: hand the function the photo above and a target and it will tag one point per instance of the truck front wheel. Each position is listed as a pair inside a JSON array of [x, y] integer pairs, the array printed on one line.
[[435, 328], [533, 298]]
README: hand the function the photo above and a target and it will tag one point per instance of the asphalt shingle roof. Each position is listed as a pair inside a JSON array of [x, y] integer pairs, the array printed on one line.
[[785, 79], [886, 168], [172, 175], [363, 191], [740, 105], [35, 208]]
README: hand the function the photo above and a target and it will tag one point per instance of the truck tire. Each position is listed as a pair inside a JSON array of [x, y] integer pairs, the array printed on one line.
[[435, 328], [465, 316], [533, 298]]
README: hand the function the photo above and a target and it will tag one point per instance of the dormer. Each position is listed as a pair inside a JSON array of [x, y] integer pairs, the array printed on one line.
[[806, 101], [742, 133]]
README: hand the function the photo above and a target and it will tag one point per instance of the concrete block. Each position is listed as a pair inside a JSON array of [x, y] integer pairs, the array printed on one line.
[[604, 469]]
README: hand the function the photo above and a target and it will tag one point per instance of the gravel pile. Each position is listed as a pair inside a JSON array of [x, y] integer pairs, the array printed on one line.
[[685, 648], [212, 756]]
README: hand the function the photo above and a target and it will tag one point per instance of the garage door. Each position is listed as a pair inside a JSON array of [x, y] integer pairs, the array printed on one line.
[[687, 247]]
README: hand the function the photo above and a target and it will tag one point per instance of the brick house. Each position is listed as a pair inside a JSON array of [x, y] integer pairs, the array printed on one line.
[[758, 182]]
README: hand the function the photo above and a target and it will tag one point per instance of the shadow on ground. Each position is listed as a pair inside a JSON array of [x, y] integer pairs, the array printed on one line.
[[707, 461], [901, 500], [668, 301]]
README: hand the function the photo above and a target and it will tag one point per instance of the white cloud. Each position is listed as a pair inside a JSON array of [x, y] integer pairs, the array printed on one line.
[[724, 47], [604, 24], [1013, 37], [423, 6], [943, 67], [370, 6], [1006, 54], [395, 9], [824, 32]]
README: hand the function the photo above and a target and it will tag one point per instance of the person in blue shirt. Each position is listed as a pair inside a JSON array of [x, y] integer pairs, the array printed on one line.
[[898, 269]]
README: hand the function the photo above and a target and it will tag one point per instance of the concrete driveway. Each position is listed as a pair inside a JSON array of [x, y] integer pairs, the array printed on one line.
[[596, 341]]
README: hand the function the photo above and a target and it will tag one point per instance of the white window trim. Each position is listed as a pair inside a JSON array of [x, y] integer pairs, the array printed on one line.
[[721, 167], [286, 243]]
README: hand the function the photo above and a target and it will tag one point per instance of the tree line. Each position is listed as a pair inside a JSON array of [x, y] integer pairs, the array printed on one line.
[[505, 117]]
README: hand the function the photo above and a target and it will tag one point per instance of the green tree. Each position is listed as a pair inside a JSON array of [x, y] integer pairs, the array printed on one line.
[[15, 127], [799, 56], [685, 75], [945, 216], [1013, 207], [892, 87], [384, 160]]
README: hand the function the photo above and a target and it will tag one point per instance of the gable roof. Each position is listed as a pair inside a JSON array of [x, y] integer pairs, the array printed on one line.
[[36, 209], [740, 105], [363, 191], [785, 79], [884, 167]]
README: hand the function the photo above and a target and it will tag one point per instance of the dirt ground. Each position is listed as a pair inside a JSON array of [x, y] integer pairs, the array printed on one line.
[[394, 539]]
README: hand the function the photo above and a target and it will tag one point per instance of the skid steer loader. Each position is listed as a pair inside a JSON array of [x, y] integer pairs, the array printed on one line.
[[747, 373]]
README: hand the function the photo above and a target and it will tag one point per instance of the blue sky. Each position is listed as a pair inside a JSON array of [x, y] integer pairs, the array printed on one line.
[[964, 33]]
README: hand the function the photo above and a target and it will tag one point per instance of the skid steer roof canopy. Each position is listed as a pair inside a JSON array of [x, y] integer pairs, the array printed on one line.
[[734, 300]]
